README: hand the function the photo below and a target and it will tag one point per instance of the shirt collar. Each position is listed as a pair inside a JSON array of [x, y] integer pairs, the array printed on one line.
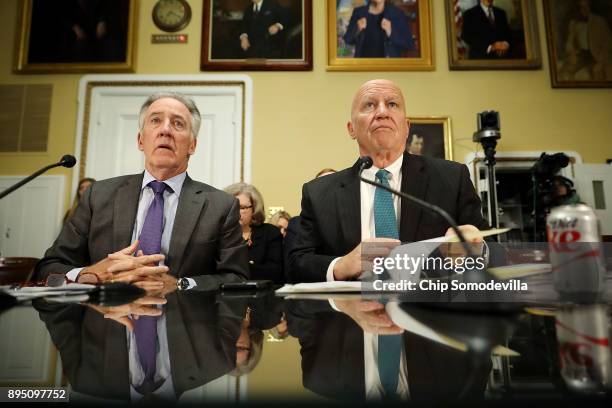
[[394, 168], [175, 183], [486, 9]]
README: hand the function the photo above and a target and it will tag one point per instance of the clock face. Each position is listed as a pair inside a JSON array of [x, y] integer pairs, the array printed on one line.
[[171, 15]]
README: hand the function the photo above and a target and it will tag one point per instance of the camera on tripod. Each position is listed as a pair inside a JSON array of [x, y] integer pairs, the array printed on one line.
[[487, 135], [488, 120], [488, 128]]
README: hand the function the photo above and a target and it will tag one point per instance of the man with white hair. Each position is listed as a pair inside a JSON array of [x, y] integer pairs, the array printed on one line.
[[159, 229], [338, 210]]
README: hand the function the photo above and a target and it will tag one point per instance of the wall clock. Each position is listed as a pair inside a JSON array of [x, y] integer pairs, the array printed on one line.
[[171, 15]]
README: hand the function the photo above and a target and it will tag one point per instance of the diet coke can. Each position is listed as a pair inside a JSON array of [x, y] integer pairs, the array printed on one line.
[[574, 241], [583, 337]]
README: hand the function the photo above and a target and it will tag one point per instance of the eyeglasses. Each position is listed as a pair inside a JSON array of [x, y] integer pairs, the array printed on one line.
[[247, 207]]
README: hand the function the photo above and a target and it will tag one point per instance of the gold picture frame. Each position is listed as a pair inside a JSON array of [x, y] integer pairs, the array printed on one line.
[[418, 57], [579, 68], [433, 136], [519, 18], [53, 40], [221, 31]]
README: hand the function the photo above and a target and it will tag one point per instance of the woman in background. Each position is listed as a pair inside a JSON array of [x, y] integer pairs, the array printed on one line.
[[264, 241], [281, 220], [84, 184]]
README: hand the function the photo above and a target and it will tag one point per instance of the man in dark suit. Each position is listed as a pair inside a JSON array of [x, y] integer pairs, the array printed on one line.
[[378, 30], [194, 226], [486, 31], [337, 210], [263, 27]]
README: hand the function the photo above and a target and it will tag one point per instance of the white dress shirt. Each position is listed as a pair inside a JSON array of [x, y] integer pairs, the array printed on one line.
[[374, 389]]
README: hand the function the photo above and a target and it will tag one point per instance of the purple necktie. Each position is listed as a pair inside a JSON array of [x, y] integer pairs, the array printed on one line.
[[145, 327]]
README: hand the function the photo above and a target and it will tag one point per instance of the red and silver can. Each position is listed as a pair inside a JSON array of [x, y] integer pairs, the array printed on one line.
[[574, 241], [583, 336]]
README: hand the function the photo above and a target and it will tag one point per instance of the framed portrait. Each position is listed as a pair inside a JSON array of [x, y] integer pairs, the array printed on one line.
[[579, 43], [492, 34], [430, 136], [275, 35], [76, 36], [379, 35]]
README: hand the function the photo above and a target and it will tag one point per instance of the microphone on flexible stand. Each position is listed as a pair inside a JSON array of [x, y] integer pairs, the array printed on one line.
[[66, 161], [365, 162]]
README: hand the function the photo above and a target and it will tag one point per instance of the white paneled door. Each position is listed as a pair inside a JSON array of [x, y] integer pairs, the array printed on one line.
[[30, 217]]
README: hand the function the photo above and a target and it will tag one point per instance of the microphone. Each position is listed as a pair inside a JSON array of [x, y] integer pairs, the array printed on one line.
[[67, 160], [365, 162]]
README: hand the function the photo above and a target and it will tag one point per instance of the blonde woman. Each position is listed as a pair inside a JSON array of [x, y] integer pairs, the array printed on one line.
[[281, 220], [264, 241]]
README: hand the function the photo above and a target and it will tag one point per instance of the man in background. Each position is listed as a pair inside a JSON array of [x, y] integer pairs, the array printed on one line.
[[263, 27], [415, 144], [588, 46], [486, 31]]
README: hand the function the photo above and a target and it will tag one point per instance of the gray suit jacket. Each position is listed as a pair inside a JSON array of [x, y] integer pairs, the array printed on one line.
[[206, 238]]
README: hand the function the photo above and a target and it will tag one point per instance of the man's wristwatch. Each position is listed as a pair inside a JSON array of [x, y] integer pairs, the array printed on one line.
[[182, 284]]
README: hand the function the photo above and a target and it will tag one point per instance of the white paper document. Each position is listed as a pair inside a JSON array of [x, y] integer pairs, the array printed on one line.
[[519, 270], [413, 250], [469, 235], [404, 320], [321, 287]]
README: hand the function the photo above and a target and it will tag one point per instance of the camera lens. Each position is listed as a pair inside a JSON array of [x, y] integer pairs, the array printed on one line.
[[490, 120]]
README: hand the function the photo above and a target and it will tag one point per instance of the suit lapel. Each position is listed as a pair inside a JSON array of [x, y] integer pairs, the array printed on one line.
[[348, 209], [125, 209], [192, 203], [414, 182]]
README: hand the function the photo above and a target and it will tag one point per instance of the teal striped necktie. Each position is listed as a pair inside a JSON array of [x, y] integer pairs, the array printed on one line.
[[389, 347], [385, 221]]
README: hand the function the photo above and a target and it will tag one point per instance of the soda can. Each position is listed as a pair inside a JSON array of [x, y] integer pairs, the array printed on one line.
[[576, 258], [583, 337]]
